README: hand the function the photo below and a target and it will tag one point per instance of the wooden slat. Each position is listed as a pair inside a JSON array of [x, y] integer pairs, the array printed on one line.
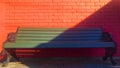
[[46, 41], [32, 29], [58, 35], [59, 38], [54, 37], [63, 29], [60, 45], [41, 31]]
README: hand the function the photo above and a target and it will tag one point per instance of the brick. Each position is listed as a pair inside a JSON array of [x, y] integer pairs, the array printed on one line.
[[83, 1], [57, 1], [68, 7], [42, 0], [99, 4], [57, 7], [67, 11], [89, 4], [105, 1], [95, 1], [67, 0], [72, 4], [62, 3]]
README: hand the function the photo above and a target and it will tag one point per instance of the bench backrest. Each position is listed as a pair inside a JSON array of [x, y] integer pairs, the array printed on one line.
[[59, 34]]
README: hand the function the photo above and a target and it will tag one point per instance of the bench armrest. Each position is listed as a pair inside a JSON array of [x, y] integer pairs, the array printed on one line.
[[11, 37], [107, 37]]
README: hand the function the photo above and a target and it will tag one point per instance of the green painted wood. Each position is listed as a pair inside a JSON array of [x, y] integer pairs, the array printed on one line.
[[41, 34], [38, 32], [32, 29]]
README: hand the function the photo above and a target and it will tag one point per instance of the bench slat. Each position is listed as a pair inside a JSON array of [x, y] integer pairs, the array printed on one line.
[[52, 32], [56, 35], [59, 45], [46, 41], [66, 36], [59, 28], [59, 38]]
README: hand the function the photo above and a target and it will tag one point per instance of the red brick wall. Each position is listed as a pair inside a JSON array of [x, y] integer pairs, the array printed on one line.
[[63, 14], [1, 24]]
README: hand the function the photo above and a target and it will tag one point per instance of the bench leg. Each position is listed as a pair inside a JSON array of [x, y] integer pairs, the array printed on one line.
[[5, 63], [109, 54], [112, 60], [106, 54], [10, 54]]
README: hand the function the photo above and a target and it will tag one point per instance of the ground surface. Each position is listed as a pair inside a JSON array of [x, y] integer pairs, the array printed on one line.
[[61, 63]]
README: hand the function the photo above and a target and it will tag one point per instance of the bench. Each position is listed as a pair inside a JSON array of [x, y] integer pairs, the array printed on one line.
[[36, 38]]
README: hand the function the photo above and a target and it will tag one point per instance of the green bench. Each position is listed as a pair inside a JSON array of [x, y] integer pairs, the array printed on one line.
[[36, 38]]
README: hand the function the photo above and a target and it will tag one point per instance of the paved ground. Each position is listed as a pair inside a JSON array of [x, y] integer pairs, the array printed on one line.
[[61, 63]]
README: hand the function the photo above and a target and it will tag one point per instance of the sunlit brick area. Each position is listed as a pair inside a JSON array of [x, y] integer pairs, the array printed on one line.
[[61, 14]]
